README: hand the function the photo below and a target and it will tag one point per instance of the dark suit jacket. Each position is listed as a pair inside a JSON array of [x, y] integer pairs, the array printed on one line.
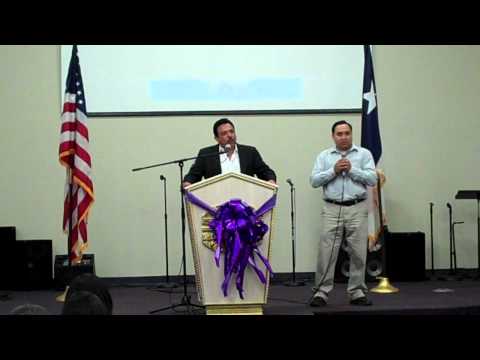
[[251, 163]]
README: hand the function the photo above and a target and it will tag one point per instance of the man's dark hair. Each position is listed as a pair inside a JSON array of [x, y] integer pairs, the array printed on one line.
[[219, 123], [93, 284], [341, 122], [84, 303]]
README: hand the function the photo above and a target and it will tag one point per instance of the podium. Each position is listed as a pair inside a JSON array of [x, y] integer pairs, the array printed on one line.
[[215, 192], [473, 195]]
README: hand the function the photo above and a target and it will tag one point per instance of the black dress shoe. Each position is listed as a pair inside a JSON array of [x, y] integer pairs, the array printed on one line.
[[318, 301], [362, 301]]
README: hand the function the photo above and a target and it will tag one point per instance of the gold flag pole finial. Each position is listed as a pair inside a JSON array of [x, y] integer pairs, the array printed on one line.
[[384, 287], [61, 297]]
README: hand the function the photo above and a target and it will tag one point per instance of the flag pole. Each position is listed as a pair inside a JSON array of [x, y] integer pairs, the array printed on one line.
[[61, 297]]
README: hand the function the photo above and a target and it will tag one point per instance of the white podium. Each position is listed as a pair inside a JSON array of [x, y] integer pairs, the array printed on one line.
[[216, 191]]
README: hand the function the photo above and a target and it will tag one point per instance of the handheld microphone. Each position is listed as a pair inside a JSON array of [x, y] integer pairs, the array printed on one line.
[[343, 172], [162, 177], [289, 181]]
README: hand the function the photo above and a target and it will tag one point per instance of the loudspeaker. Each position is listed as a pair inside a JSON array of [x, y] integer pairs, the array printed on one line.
[[405, 256], [7, 244], [7, 235], [373, 268], [62, 277], [33, 265]]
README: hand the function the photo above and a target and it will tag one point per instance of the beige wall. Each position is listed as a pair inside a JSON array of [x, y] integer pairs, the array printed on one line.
[[428, 98]]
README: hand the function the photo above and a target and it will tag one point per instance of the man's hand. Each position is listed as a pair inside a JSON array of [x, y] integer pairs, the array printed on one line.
[[273, 182], [186, 183], [342, 165]]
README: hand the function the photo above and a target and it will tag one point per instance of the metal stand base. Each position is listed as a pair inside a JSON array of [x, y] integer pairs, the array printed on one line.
[[185, 302], [5, 297], [167, 285], [294, 283]]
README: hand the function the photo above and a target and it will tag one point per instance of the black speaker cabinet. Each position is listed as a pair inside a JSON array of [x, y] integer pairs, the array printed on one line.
[[374, 266], [7, 244], [63, 277], [405, 256], [7, 235], [33, 265]]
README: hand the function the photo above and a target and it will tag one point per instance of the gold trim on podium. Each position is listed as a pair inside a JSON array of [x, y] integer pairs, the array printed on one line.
[[234, 309], [221, 177]]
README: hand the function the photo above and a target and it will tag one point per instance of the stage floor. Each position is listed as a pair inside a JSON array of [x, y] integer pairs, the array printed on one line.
[[414, 298]]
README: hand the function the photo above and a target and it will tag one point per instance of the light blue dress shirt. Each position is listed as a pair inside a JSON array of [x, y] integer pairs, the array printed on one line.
[[354, 183]]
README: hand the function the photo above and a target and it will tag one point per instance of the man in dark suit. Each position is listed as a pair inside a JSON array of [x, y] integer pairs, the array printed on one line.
[[238, 158]]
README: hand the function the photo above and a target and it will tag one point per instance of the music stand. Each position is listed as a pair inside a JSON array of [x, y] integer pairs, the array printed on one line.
[[473, 195]]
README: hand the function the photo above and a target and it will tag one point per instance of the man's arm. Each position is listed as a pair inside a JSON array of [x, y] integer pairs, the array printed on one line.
[[367, 174], [321, 175], [261, 169], [196, 171]]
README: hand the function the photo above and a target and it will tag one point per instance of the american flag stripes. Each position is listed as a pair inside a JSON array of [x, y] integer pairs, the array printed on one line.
[[74, 155]]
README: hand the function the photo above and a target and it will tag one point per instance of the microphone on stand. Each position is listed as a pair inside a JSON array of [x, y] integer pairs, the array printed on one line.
[[167, 284], [226, 148], [293, 282], [432, 277]]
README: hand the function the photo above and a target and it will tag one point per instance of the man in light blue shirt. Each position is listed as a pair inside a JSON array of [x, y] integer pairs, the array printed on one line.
[[344, 171]]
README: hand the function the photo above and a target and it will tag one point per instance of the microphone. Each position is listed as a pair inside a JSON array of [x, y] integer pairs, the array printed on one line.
[[289, 181], [343, 172], [162, 177], [226, 148]]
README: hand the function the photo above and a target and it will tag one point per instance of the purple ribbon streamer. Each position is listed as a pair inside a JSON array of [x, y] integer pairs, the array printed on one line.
[[238, 231]]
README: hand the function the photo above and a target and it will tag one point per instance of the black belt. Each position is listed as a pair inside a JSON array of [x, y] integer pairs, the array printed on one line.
[[345, 203]]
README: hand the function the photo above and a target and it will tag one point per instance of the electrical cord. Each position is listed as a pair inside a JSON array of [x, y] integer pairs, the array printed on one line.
[[317, 287]]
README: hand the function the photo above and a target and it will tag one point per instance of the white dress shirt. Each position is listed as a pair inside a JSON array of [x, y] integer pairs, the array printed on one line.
[[232, 164]]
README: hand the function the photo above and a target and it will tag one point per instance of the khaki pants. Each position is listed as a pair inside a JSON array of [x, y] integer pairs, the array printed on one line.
[[352, 220]]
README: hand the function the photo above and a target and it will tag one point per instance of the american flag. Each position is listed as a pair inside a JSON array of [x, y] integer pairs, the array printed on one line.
[[74, 155], [372, 141]]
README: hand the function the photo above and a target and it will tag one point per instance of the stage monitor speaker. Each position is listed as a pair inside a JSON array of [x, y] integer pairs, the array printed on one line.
[[33, 265], [7, 235], [7, 244], [86, 266], [405, 256], [374, 266]]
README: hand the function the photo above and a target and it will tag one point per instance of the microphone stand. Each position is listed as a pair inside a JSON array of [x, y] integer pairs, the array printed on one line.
[[186, 298], [167, 284], [432, 276], [293, 282], [460, 276], [453, 256]]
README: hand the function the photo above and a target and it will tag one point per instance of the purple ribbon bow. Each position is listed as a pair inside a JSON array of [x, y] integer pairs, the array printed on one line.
[[239, 230]]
